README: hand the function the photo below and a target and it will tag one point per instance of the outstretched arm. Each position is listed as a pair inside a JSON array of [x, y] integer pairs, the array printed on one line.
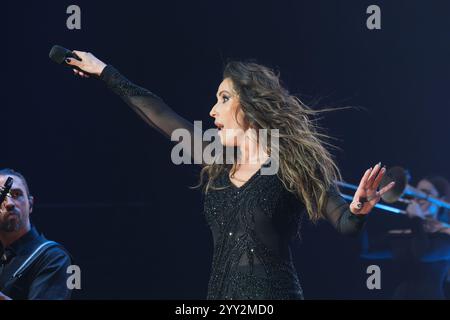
[[151, 108]]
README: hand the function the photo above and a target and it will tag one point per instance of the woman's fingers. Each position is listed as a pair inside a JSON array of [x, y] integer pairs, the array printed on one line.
[[80, 73], [361, 188], [74, 62], [373, 175], [356, 206], [378, 179], [80, 54], [386, 188], [364, 179], [374, 199]]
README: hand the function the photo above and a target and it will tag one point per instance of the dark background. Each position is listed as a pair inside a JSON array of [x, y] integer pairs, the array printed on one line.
[[103, 180]]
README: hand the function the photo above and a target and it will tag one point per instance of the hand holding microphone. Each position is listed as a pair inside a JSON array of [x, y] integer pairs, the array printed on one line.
[[84, 64]]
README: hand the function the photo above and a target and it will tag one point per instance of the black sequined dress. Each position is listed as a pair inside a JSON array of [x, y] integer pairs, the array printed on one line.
[[252, 225]]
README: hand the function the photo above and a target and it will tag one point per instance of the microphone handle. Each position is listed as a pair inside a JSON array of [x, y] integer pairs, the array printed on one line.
[[5, 189]]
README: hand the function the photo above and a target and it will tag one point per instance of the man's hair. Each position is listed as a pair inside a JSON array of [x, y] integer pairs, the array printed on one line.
[[441, 184], [11, 172]]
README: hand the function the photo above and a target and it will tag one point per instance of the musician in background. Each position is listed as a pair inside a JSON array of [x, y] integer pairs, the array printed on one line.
[[418, 243], [30, 266], [429, 246]]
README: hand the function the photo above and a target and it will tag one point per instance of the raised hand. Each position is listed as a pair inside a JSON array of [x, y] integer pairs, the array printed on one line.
[[367, 195]]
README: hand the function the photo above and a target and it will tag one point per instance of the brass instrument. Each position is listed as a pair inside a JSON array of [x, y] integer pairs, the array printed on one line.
[[402, 189]]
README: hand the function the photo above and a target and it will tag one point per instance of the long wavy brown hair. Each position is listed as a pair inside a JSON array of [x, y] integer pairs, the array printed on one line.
[[306, 167]]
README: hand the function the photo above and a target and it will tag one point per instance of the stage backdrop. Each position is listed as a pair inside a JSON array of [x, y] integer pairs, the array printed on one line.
[[103, 180]]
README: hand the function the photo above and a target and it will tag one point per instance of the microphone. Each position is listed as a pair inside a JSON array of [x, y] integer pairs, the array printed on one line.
[[59, 55], [4, 191]]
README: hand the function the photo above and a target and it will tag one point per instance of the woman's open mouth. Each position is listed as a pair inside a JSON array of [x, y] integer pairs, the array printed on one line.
[[219, 125]]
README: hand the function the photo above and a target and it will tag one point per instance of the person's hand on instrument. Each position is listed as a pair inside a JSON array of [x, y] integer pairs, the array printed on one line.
[[414, 210], [432, 225]]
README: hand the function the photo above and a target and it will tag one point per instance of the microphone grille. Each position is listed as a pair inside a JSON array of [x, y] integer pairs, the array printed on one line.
[[58, 54]]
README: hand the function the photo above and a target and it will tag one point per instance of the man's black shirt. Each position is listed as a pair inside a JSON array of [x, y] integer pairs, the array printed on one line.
[[46, 277]]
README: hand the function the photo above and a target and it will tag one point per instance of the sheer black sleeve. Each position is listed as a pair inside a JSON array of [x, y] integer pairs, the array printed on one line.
[[152, 109], [339, 214]]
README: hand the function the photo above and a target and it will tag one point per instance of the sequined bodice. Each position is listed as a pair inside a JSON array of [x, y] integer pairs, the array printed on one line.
[[252, 227]]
